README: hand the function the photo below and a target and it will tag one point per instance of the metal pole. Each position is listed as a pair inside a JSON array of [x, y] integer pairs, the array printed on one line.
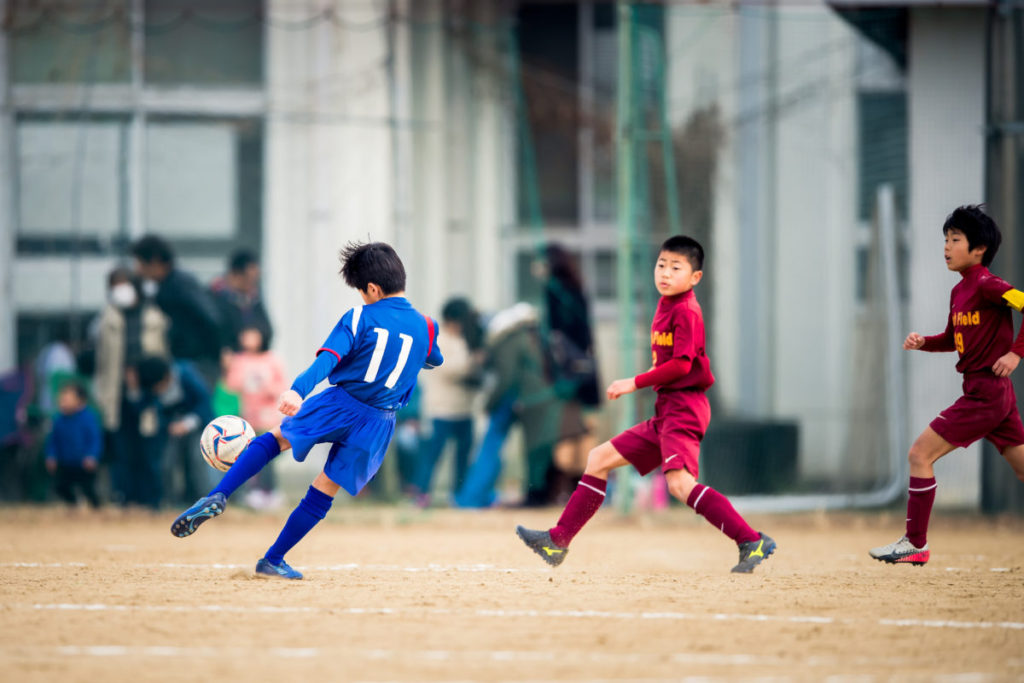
[[626, 209]]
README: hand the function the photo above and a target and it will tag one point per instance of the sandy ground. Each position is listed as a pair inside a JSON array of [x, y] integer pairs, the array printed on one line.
[[400, 594]]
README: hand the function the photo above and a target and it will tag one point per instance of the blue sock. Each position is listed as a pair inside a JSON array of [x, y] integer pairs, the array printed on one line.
[[254, 458], [311, 510]]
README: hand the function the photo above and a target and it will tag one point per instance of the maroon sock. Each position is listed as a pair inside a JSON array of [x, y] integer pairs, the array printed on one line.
[[582, 505], [919, 509], [720, 513]]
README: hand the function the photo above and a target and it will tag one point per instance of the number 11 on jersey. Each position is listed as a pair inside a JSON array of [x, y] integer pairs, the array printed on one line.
[[378, 356]]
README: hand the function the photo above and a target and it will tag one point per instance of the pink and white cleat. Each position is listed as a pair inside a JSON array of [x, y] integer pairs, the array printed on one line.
[[900, 552]]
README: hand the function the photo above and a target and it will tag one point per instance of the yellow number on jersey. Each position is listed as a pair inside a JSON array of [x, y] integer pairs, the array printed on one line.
[[958, 339]]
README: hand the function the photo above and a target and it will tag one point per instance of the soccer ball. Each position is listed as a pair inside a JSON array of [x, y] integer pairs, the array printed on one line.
[[223, 440]]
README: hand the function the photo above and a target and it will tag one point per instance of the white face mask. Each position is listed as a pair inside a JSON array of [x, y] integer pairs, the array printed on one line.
[[123, 295], [149, 288]]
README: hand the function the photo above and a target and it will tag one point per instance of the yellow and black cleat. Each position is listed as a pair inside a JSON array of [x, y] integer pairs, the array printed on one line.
[[753, 553], [540, 542]]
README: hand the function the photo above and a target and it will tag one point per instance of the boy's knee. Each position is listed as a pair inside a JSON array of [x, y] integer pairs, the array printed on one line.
[[602, 460], [919, 456], [680, 483]]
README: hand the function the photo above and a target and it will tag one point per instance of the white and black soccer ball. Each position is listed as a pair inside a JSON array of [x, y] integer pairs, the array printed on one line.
[[224, 439]]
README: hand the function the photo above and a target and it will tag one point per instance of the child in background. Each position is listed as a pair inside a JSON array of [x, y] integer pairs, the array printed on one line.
[[258, 378], [681, 374], [74, 446]]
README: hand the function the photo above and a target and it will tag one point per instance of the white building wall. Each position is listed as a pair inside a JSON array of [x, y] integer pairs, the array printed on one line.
[[328, 175], [947, 119], [815, 185], [803, 110], [701, 73], [352, 155]]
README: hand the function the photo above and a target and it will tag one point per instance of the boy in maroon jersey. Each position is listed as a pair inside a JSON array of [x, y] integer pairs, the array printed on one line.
[[681, 373], [980, 330]]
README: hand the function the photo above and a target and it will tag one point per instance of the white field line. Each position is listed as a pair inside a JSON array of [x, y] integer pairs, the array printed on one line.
[[502, 656], [523, 614]]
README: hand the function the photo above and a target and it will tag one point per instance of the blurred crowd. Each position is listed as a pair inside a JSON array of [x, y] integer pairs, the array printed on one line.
[[115, 418]]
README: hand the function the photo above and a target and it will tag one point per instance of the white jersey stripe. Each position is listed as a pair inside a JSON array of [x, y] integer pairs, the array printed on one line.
[[357, 312]]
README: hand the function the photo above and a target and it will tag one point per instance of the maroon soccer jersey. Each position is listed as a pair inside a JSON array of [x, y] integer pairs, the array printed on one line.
[[980, 324], [678, 332]]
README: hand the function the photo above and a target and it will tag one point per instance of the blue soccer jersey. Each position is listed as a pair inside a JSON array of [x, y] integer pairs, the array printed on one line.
[[380, 349]]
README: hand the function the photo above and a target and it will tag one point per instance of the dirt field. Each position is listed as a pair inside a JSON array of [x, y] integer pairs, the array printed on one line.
[[398, 594]]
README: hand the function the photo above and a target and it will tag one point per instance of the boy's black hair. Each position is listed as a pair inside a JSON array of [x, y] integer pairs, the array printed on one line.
[[152, 370], [685, 246], [978, 227], [240, 260], [375, 262], [152, 248]]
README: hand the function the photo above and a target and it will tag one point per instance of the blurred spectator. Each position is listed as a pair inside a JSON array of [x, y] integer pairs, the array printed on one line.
[[196, 332], [74, 445], [258, 377], [127, 329], [175, 408], [522, 391], [570, 342], [238, 295], [448, 395], [55, 362], [19, 436]]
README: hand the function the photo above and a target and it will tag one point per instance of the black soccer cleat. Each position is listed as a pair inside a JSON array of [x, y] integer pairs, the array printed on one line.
[[540, 542], [203, 509], [753, 553]]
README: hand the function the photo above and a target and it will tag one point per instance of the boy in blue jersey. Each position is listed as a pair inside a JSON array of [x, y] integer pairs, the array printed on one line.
[[372, 359]]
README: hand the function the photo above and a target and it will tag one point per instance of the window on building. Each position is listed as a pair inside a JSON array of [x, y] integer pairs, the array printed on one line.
[[566, 145], [83, 42], [71, 179], [202, 43], [882, 126], [548, 37]]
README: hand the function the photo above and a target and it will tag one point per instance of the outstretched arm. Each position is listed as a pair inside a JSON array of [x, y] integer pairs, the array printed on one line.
[[666, 373], [935, 342], [291, 400]]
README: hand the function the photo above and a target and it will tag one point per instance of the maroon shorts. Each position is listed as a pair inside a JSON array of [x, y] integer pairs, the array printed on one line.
[[987, 410], [672, 437]]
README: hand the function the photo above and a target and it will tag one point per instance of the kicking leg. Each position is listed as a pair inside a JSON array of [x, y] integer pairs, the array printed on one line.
[[254, 458], [552, 545], [913, 547], [311, 509], [754, 546]]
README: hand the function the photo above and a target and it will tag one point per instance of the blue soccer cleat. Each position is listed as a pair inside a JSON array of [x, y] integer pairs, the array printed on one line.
[[205, 508], [280, 570]]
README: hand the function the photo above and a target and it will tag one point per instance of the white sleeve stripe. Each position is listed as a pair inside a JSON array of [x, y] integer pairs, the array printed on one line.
[[356, 313], [593, 488], [926, 488]]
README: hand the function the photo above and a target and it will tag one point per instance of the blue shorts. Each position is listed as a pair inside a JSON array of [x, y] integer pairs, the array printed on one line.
[[360, 435]]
